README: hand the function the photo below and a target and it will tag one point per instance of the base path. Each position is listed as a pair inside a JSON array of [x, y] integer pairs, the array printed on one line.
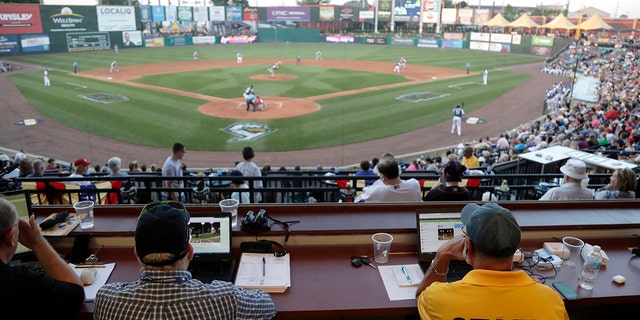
[[51, 139]]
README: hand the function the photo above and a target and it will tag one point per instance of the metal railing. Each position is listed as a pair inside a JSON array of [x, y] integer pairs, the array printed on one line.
[[298, 187]]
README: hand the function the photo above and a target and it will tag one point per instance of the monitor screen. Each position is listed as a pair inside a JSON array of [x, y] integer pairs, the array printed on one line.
[[21, 200]]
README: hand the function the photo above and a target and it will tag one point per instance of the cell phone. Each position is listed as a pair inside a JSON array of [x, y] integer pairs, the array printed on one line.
[[80, 250], [566, 290]]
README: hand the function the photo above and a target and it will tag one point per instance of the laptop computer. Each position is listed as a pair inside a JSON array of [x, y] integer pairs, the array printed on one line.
[[435, 229], [211, 241]]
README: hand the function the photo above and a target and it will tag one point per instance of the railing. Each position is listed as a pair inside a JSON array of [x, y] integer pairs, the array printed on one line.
[[299, 187]]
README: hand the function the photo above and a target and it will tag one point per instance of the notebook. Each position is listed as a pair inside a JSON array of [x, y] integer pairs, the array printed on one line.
[[435, 229], [211, 241]]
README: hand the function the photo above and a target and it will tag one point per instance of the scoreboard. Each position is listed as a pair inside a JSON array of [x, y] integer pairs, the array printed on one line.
[[88, 41]]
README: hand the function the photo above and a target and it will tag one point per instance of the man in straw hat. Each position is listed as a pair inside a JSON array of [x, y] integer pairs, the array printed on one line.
[[574, 172]]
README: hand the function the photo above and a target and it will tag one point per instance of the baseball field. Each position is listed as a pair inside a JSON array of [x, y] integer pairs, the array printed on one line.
[[160, 95]]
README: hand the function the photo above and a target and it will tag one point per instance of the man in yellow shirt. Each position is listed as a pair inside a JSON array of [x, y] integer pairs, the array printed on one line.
[[469, 159], [491, 290]]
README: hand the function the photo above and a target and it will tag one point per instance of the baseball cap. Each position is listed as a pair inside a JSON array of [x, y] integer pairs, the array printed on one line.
[[454, 170], [491, 228], [163, 227], [575, 169], [81, 162]]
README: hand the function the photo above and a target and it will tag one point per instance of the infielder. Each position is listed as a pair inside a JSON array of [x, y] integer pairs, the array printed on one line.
[[457, 119], [403, 62], [47, 83], [196, 56], [397, 67], [239, 57], [318, 55], [274, 68], [114, 66], [485, 75]]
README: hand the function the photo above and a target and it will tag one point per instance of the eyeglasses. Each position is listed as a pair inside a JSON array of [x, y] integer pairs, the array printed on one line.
[[464, 230]]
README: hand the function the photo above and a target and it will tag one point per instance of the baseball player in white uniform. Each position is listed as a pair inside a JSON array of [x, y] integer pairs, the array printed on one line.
[[318, 55], [485, 75], [114, 66], [47, 82], [403, 62], [274, 68], [457, 119], [397, 67], [196, 56], [239, 57]]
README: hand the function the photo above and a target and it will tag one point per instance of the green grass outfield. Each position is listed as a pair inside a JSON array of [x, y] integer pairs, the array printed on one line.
[[152, 118]]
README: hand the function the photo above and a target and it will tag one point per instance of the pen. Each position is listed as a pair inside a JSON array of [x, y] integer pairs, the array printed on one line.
[[404, 270], [264, 266]]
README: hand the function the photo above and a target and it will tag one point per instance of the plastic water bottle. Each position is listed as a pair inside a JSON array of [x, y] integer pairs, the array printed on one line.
[[592, 263]]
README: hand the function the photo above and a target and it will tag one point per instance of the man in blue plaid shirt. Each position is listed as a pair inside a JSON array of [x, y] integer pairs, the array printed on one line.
[[165, 289]]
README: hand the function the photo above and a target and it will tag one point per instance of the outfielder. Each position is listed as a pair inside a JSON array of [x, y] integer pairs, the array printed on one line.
[[196, 56], [239, 57], [485, 75], [457, 119]]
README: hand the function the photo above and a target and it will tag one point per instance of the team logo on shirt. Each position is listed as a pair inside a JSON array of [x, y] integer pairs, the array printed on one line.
[[421, 96], [247, 131]]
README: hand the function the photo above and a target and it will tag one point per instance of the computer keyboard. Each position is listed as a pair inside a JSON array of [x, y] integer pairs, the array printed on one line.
[[211, 270]]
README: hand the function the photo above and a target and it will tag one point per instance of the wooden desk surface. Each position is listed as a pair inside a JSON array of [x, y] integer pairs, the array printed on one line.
[[324, 284]]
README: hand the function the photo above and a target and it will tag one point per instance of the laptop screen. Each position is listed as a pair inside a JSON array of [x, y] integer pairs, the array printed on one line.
[[435, 229], [211, 234], [21, 200]]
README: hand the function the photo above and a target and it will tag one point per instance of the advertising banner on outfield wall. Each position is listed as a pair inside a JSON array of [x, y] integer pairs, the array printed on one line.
[[157, 12], [145, 13], [289, 14], [234, 13], [406, 10], [57, 19], [428, 43], [250, 14], [35, 43], [171, 13], [542, 41], [448, 16], [216, 13], [465, 16], [185, 14], [482, 16], [9, 44], [200, 14], [19, 19], [431, 11], [327, 14], [116, 18]]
